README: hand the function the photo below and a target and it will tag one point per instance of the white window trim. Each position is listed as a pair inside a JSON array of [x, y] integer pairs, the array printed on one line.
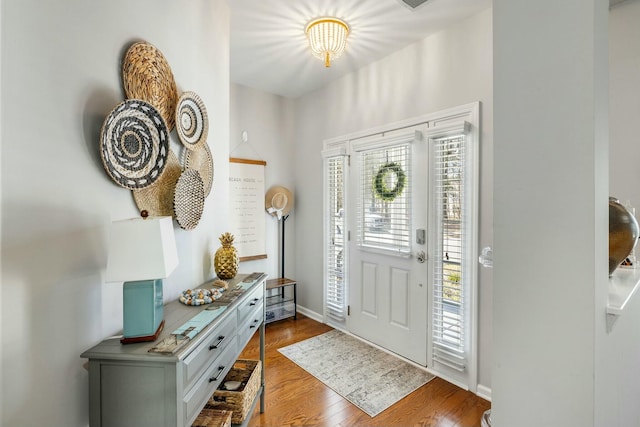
[[448, 129], [334, 149]]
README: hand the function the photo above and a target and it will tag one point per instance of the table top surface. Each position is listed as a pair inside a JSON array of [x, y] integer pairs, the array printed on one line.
[[176, 314], [279, 282]]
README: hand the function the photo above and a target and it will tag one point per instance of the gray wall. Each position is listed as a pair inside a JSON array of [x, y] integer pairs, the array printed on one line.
[[624, 105], [565, 137], [60, 78], [269, 122], [550, 194], [617, 356]]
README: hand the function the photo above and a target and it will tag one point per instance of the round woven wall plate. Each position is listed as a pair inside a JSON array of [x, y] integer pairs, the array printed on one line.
[[188, 201], [146, 75], [157, 199], [202, 161], [192, 122], [134, 144]]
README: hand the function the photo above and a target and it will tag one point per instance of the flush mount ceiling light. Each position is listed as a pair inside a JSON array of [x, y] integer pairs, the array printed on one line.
[[327, 38]]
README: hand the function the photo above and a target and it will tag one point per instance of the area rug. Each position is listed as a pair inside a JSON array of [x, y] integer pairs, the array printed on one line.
[[367, 377]]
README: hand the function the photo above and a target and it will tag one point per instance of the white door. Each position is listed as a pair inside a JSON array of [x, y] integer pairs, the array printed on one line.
[[388, 277]]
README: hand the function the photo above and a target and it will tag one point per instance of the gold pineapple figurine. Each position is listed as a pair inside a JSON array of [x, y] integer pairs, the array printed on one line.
[[226, 259]]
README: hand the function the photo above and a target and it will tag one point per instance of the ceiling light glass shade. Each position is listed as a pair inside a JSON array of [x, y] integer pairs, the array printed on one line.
[[327, 38]]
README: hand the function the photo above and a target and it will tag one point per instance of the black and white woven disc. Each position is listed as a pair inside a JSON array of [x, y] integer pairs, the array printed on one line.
[[134, 144], [201, 161], [192, 122], [188, 199]]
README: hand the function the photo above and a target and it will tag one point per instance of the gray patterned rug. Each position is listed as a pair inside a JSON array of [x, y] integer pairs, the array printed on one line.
[[367, 377]]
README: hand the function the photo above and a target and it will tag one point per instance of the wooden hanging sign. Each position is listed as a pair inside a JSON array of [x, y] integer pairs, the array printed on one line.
[[246, 207]]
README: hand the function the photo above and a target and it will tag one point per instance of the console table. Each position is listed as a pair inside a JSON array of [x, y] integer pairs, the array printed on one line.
[[131, 386]]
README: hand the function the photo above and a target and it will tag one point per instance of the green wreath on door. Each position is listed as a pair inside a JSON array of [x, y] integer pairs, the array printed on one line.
[[380, 182]]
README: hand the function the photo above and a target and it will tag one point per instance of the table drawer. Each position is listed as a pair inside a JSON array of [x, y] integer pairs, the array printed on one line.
[[208, 382], [249, 305], [250, 325], [210, 348]]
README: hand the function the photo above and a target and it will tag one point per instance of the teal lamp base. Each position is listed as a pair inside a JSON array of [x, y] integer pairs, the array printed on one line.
[[143, 314]]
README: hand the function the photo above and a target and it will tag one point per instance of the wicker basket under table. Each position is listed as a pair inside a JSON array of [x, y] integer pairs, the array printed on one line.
[[248, 372], [213, 418]]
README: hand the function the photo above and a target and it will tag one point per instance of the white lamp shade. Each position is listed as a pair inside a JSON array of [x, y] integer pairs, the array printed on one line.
[[141, 249]]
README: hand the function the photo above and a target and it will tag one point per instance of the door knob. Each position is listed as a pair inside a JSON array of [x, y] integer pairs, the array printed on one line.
[[421, 257]]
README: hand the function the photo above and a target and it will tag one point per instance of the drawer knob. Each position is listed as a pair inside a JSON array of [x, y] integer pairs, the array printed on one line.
[[254, 302], [220, 369], [255, 323], [214, 346]]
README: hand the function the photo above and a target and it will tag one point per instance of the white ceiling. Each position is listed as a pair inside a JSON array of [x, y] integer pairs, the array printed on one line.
[[269, 50]]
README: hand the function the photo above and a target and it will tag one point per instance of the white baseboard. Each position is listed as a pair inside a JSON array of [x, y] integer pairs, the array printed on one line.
[[311, 314], [484, 392]]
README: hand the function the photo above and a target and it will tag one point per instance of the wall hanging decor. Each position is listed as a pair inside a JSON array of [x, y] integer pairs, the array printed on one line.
[[202, 161], [146, 75], [134, 144], [157, 199], [188, 202], [389, 181], [192, 122], [135, 140], [246, 202]]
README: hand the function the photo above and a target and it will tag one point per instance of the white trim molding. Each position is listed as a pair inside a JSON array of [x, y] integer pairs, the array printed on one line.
[[484, 392], [310, 314]]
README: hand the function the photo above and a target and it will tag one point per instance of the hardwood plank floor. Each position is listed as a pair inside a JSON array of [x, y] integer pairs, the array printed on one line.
[[296, 398]]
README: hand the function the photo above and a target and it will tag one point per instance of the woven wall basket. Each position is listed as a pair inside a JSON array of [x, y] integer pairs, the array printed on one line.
[[146, 75], [188, 201], [202, 161], [157, 199], [192, 121], [134, 144]]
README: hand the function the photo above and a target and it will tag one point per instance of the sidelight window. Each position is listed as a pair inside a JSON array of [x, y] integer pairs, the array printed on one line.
[[335, 236]]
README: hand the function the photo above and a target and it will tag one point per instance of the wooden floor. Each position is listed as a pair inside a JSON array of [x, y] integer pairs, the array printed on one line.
[[296, 398]]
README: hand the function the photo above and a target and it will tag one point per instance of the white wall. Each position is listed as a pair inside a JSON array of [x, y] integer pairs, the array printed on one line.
[[60, 78], [1, 118], [553, 316], [619, 350], [624, 106], [552, 361], [269, 122], [447, 69]]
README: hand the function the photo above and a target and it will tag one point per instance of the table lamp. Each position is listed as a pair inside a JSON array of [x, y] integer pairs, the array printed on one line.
[[142, 252]]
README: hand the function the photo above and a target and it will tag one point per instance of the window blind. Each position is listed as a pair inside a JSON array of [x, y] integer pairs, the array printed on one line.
[[384, 211], [449, 304], [335, 298]]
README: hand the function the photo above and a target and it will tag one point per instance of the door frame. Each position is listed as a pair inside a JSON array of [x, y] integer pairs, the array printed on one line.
[[467, 112]]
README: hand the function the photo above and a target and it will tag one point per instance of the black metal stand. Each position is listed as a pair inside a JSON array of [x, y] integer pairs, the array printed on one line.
[[284, 218]]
